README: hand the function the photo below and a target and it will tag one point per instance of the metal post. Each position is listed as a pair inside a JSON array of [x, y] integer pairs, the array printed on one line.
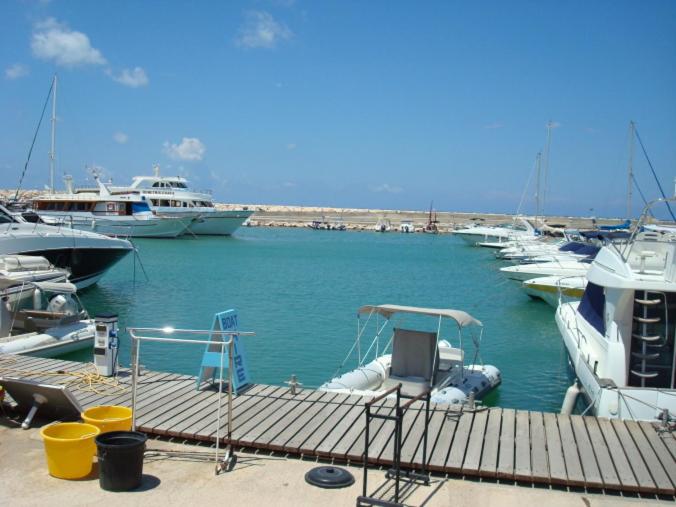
[[231, 348], [427, 420], [135, 350], [366, 447], [218, 414], [397, 445]]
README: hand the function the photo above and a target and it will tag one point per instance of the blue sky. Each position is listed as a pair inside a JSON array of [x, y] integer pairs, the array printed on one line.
[[367, 104]]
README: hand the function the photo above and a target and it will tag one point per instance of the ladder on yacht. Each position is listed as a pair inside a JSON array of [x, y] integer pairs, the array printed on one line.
[[642, 365]]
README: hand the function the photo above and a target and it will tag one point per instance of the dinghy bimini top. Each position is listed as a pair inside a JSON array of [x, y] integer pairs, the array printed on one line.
[[418, 359]]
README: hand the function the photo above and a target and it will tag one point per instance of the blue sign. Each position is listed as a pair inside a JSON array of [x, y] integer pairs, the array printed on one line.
[[212, 359]]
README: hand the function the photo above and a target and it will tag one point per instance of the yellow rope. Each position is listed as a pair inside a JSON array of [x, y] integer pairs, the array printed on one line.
[[87, 381]]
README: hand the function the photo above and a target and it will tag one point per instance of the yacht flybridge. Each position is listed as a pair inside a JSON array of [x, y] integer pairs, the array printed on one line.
[[620, 336], [86, 255], [170, 196], [418, 359]]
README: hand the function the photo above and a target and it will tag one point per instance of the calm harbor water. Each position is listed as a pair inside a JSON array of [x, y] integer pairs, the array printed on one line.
[[299, 290]]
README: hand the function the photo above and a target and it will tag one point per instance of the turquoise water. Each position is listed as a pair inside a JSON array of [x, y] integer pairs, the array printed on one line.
[[299, 290]]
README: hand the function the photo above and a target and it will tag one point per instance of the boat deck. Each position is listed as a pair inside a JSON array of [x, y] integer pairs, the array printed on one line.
[[491, 443]]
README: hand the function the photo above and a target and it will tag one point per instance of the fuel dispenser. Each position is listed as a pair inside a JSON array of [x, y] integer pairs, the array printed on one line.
[[106, 344]]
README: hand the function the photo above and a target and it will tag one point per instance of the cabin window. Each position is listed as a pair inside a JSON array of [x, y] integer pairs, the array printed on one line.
[[592, 307], [164, 202]]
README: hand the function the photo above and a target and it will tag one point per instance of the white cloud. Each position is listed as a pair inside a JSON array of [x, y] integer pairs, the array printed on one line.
[[131, 77], [289, 184], [386, 187], [16, 71], [120, 137], [56, 42], [261, 30], [190, 149], [494, 125]]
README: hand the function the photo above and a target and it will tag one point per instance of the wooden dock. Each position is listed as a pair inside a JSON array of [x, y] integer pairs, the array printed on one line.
[[505, 444]]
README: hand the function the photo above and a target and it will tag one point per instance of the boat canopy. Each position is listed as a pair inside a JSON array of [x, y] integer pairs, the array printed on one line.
[[62, 287], [462, 318]]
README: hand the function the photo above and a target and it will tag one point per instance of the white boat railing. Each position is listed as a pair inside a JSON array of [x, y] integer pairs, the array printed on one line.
[[137, 338]]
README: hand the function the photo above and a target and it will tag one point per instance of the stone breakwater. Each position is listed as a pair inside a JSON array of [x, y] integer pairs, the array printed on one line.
[[361, 219], [366, 219]]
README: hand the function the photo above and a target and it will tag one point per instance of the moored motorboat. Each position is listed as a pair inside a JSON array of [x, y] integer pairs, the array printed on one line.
[[519, 229], [620, 336], [418, 359], [106, 212], [556, 289], [40, 313], [86, 255], [523, 272]]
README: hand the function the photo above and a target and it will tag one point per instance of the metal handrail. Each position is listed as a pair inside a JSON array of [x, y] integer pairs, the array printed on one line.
[[135, 355]]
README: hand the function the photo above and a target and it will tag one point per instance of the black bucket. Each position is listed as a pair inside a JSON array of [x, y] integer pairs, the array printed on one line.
[[120, 456]]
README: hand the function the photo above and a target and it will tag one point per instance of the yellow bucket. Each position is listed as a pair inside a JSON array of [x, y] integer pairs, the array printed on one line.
[[108, 418], [70, 449]]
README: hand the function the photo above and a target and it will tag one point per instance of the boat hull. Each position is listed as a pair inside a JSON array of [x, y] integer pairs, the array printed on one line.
[[604, 398], [219, 223]]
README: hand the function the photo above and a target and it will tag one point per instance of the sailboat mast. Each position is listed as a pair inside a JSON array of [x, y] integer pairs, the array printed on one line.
[[545, 171], [538, 159], [52, 154], [630, 167]]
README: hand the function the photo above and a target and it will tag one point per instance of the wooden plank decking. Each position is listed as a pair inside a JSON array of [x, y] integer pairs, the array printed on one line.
[[493, 443]]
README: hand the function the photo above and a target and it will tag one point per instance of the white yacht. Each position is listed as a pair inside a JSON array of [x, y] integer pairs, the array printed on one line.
[[39, 310], [522, 272], [117, 214], [86, 255], [620, 336], [417, 359], [170, 196], [556, 289], [521, 228]]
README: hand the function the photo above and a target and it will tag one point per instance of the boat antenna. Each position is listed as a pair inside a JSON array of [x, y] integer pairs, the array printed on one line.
[[35, 135], [652, 169], [52, 153], [630, 167]]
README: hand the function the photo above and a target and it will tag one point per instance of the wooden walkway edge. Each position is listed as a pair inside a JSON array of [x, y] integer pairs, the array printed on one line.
[[493, 443]]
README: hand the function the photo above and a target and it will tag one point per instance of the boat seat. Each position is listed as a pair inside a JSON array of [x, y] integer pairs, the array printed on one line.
[[414, 355], [410, 386], [448, 357]]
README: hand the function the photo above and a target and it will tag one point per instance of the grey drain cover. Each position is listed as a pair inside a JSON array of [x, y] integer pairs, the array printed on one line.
[[329, 477]]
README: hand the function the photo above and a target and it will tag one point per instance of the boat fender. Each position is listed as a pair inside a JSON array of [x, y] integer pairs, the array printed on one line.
[[571, 397]]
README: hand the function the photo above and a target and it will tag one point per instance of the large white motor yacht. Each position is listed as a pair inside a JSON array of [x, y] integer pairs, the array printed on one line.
[[170, 196], [418, 359], [86, 255], [620, 336], [106, 212]]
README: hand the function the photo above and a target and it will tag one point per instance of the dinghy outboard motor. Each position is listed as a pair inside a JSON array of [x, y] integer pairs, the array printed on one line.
[[62, 303], [106, 344]]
